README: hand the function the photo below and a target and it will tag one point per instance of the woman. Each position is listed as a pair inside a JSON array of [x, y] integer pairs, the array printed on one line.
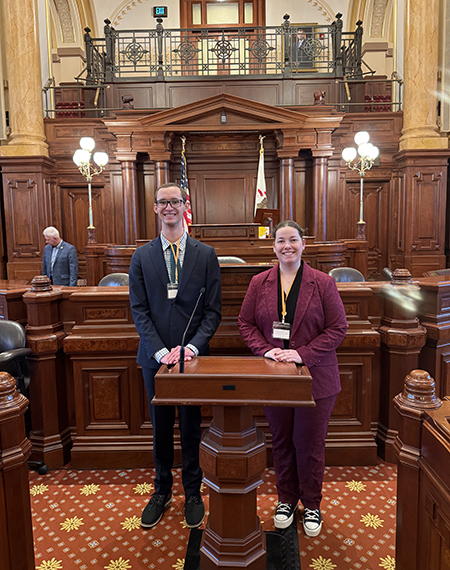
[[293, 313]]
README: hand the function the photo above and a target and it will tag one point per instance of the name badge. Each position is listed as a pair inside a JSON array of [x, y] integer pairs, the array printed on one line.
[[281, 330], [172, 290]]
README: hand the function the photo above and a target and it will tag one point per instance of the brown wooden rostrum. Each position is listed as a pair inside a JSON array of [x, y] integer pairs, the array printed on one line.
[[232, 451]]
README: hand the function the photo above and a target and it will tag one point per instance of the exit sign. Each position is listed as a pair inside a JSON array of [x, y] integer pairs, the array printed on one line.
[[160, 11]]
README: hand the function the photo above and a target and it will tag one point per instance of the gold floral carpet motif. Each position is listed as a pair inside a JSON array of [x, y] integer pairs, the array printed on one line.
[[90, 520]]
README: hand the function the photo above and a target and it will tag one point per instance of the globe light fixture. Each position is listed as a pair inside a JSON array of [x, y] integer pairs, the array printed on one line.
[[82, 158], [361, 160]]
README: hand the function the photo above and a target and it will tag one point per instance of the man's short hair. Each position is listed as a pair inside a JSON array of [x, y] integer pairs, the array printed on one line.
[[51, 231], [172, 185]]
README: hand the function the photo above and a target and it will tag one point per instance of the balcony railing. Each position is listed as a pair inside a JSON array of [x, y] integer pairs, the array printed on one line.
[[168, 54]]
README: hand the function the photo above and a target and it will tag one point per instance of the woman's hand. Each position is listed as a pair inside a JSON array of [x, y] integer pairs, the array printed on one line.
[[273, 353], [289, 356], [281, 355]]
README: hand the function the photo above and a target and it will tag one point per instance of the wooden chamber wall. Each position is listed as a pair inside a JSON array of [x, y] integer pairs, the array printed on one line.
[[404, 195]]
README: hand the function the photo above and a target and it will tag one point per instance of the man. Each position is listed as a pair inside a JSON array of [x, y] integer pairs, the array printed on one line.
[[302, 56], [60, 261], [167, 277]]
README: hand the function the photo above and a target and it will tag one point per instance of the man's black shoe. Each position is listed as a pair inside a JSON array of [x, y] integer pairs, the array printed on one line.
[[194, 511], [153, 512]]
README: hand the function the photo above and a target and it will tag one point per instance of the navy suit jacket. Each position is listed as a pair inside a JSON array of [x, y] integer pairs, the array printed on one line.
[[65, 268], [160, 321], [318, 328]]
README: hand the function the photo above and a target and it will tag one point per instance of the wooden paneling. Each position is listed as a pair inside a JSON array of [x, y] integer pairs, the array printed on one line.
[[334, 204], [92, 380], [222, 169], [423, 450], [105, 395], [75, 211], [302, 197], [30, 204], [234, 197], [222, 174], [22, 198], [435, 317], [102, 348], [11, 304], [419, 208], [169, 94], [16, 535]]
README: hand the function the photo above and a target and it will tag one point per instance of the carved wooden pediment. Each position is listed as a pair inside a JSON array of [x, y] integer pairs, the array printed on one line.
[[243, 113], [225, 113]]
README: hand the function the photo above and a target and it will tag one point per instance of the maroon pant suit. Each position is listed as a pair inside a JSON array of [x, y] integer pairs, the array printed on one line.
[[319, 325]]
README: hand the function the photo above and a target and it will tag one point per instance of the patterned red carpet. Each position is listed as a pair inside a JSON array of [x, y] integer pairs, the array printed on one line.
[[90, 520]]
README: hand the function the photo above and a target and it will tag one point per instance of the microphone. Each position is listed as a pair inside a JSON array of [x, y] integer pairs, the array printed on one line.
[[202, 290]]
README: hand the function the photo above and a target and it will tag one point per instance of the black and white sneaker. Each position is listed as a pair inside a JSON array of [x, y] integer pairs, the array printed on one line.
[[312, 522], [284, 515]]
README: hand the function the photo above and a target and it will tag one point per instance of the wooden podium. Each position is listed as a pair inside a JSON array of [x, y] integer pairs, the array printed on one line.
[[232, 451]]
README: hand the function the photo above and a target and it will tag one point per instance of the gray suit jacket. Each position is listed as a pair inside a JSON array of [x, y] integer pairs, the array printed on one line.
[[161, 322], [65, 268]]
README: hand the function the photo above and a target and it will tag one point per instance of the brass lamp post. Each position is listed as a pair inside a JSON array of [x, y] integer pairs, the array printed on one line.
[[367, 154], [82, 158]]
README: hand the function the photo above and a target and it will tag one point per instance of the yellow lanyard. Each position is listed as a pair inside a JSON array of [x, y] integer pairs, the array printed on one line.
[[175, 257], [284, 297]]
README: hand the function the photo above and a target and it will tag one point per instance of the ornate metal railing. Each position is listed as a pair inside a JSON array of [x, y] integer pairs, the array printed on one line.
[[166, 54], [351, 54]]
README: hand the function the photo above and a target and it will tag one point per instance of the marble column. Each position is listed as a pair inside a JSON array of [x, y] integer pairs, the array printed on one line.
[[420, 76], [24, 79]]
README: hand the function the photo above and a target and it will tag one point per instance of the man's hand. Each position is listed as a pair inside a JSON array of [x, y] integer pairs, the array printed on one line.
[[174, 355], [188, 354]]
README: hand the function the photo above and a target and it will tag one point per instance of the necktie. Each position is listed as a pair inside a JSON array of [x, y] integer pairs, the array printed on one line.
[[52, 262]]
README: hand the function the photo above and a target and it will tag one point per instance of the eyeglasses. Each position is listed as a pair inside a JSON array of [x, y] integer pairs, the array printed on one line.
[[174, 202]]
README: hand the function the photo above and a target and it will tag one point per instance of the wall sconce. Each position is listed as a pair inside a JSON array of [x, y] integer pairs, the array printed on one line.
[[223, 118]]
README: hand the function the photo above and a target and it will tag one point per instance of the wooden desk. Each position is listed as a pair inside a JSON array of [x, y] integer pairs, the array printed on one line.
[[11, 304]]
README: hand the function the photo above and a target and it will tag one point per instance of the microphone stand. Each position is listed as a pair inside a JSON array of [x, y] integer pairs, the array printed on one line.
[[182, 348], [182, 358]]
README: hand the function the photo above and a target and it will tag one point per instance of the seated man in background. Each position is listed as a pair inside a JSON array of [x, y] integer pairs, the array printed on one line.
[[60, 261]]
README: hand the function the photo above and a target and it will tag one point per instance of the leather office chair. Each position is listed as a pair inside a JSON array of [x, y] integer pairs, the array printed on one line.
[[230, 259], [346, 274], [114, 280], [13, 353], [438, 273]]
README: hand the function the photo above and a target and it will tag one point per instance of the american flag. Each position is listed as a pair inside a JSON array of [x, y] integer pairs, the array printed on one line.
[[187, 216]]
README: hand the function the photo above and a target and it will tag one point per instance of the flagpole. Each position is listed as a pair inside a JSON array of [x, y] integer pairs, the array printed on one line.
[[187, 216], [261, 194]]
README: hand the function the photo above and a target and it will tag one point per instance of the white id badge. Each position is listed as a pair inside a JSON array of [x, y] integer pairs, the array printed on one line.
[[281, 330], [172, 290]]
